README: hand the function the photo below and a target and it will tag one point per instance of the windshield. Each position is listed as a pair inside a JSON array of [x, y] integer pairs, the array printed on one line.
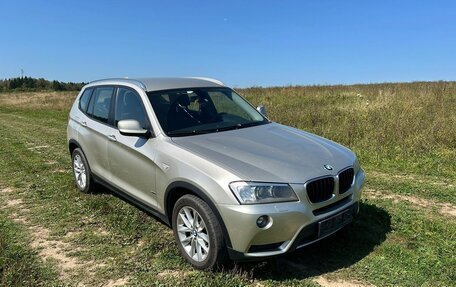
[[194, 111]]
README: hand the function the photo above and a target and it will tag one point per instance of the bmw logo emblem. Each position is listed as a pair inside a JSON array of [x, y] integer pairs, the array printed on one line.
[[328, 167]]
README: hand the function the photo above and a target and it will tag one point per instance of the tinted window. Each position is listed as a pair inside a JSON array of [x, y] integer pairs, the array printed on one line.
[[129, 107], [84, 100], [100, 103]]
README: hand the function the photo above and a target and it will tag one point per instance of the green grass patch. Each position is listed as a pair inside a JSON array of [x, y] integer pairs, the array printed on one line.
[[19, 264]]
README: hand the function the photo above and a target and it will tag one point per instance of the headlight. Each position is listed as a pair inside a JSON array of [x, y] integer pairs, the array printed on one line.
[[260, 192]]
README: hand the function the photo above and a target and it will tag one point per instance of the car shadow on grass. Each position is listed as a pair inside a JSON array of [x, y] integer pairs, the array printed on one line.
[[341, 250]]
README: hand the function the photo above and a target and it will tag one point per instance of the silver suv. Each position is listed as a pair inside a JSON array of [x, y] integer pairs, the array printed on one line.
[[195, 154]]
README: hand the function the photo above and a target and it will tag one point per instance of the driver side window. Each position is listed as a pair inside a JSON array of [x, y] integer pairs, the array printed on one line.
[[129, 107]]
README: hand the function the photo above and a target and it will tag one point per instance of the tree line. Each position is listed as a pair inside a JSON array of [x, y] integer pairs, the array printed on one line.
[[40, 84]]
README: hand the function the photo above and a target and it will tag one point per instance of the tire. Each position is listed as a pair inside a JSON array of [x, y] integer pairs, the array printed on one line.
[[200, 243], [81, 171]]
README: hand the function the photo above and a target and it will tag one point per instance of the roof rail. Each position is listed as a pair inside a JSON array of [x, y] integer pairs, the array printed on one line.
[[126, 80]]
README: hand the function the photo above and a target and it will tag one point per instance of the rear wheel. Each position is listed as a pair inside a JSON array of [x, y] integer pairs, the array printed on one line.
[[198, 233], [81, 172]]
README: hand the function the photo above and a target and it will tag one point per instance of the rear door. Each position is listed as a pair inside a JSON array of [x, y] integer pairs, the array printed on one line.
[[95, 129], [131, 158], [78, 117]]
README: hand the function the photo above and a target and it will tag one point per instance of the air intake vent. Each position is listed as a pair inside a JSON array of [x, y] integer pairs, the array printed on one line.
[[320, 190], [346, 180], [265, 247]]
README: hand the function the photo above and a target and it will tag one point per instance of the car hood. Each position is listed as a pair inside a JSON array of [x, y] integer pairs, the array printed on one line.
[[270, 153]]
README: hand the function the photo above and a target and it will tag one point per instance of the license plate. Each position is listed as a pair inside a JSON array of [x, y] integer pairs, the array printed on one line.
[[335, 222]]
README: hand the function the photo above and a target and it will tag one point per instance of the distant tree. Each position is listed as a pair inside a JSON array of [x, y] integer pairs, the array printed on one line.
[[57, 86], [40, 84], [15, 83]]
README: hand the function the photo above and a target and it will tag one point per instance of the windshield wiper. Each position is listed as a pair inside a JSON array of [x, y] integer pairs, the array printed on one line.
[[185, 133], [235, 127], [251, 124], [179, 133], [240, 126]]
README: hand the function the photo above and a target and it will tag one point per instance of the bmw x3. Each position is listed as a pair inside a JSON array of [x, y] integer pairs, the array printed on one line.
[[195, 154]]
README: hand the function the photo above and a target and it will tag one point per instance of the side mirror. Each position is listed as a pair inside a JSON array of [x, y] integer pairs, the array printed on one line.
[[131, 128], [262, 110]]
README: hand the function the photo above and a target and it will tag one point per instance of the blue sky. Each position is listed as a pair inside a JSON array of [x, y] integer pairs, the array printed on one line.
[[243, 43]]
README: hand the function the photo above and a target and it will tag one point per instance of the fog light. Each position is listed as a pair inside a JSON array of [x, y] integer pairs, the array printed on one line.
[[263, 221]]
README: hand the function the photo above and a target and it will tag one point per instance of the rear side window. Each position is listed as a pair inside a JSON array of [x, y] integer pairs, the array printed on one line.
[[84, 100], [100, 103]]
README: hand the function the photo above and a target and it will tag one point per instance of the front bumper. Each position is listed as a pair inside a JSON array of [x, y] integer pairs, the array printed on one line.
[[294, 224]]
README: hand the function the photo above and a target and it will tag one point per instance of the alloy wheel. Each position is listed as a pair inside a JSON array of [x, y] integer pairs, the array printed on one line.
[[79, 172], [193, 234]]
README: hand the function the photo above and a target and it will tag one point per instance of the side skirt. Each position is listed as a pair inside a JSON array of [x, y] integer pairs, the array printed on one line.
[[133, 200]]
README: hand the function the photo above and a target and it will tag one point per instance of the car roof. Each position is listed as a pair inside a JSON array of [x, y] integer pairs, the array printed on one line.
[[156, 84]]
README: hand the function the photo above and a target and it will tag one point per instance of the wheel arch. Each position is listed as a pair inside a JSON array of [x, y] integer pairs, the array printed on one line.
[[72, 145], [178, 189]]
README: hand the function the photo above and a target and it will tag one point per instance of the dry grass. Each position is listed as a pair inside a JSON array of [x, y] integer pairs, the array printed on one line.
[[324, 282], [399, 126], [445, 209], [38, 100]]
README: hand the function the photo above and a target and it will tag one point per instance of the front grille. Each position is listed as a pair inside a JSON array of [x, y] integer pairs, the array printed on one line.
[[320, 190], [346, 180]]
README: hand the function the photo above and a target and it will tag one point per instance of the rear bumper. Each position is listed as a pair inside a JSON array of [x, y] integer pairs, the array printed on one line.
[[294, 224]]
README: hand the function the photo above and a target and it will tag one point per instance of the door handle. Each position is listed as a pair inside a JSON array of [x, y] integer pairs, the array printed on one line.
[[112, 138], [83, 123]]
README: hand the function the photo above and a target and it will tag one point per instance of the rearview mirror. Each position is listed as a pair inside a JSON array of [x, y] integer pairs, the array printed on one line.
[[131, 128], [262, 110]]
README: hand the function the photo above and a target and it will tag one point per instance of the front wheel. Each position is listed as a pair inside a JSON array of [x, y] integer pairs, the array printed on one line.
[[198, 233]]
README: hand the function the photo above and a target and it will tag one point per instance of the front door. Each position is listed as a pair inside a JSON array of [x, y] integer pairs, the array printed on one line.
[[131, 158]]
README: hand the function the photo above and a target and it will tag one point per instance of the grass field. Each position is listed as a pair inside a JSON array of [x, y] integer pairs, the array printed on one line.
[[404, 135]]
